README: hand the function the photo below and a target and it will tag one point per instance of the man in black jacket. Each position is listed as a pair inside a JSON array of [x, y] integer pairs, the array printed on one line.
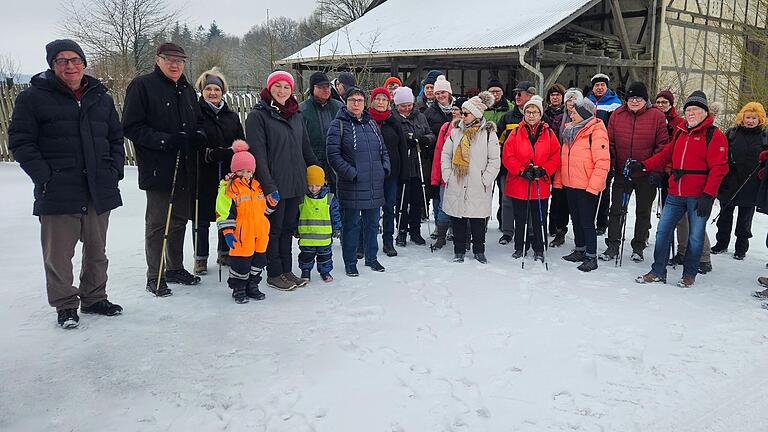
[[66, 135], [163, 119]]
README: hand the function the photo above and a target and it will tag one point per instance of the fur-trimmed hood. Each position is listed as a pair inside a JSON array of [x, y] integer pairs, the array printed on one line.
[[485, 125]]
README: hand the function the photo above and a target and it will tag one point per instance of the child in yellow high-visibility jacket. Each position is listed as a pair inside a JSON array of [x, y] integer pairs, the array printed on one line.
[[240, 215], [319, 220]]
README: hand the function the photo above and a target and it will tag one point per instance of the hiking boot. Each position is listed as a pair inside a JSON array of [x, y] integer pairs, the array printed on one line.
[[610, 254], [480, 257], [458, 257], [705, 267], [201, 267], [389, 250], [718, 248], [306, 275], [764, 293], [538, 256], [102, 307], [326, 277], [762, 280], [650, 278], [68, 318], [505, 239], [601, 230], [351, 270], [401, 239], [440, 238], [558, 241], [223, 260], [589, 264], [159, 291], [239, 293], [360, 252], [418, 239], [739, 256], [637, 256], [300, 282], [676, 260], [181, 276], [686, 282], [518, 254], [575, 256], [281, 283], [375, 266]]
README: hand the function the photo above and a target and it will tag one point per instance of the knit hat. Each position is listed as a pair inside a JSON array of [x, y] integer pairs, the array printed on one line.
[[352, 90], [573, 93], [393, 79], [170, 48], [279, 75], [214, 80], [556, 88], [478, 104], [318, 78], [601, 77], [637, 89], [432, 76], [666, 94], [585, 108], [59, 45], [315, 175], [378, 91], [525, 86], [442, 84], [699, 99], [459, 101], [494, 82], [536, 101], [403, 95], [242, 159], [347, 79], [212, 76]]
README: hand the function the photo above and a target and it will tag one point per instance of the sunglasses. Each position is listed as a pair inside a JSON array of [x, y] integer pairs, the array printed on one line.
[[465, 113]]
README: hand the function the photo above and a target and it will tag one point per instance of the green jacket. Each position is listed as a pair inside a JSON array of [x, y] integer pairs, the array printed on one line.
[[311, 112]]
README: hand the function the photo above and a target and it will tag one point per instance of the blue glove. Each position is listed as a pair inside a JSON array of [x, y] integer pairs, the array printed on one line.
[[273, 198], [230, 239]]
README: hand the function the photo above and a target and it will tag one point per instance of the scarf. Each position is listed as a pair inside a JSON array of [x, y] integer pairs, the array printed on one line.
[[446, 109], [569, 134], [286, 111], [379, 116], [461, 155], [215, 108]]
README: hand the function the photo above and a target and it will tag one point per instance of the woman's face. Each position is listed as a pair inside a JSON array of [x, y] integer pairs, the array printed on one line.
[[467, 117], [663, 104], [456, 113], [404, 109], [532, 115], [751, 120], [576, 117], [380, 103], [212, 94], [356, 104], [555, 99], [280, 91], [392, 87], [443, 97], [569, 107]]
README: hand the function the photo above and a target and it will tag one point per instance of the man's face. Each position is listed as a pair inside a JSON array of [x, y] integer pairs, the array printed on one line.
[[391, 87], [405, 109], [695, 115], [443, 97], [663, 104], [555, 99], [340, 89], [429, 91], [171, 66], [66, 69], [635, 103], [521, 97], [599, 89], [497, 93], [322, 92]]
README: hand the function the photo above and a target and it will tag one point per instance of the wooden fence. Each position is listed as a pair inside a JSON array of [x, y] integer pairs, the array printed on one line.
[[239, 103]]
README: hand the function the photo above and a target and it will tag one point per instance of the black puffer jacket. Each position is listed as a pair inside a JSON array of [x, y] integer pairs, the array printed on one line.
[[221, 129], [73, 151], [397, 149], [282, 150], [155, 109], [744, 148], [416, 125]]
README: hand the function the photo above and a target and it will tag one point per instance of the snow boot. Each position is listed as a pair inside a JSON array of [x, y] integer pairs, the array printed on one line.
[[375, 266], [281, 283], [637, 256], [239, 294], [705, 267], [252, 290], [201, 267], [589, 264], [159, 291], [575, 256], [326, 277], [686, 282], [718, 248], [306, 275], [389, 250], [440, 240], [458, 257], [181, 276], [518, 254], [505, 239], [559, 239], [417, 238], [401, 239], [351, 270], [610, 254], [102, 307], [480, 257], [650, 278], [68, 318]]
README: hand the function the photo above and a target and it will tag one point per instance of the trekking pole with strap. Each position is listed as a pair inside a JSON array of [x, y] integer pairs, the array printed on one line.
[[543, 226], [527, 221], [401, 210], [626, 194], [218, 253], [749, 177], [168, 220], [659, 205], [196, 230], [423, 187]]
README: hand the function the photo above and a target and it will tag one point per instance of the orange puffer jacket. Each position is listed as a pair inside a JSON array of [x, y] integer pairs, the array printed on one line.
[[584, 164], [240, 210]]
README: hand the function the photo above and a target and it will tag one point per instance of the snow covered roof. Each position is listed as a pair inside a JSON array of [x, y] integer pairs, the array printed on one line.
[[426, 26]]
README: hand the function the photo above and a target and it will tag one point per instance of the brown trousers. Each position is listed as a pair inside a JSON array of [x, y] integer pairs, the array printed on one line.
[[154, 229], [682, 241], [59, 235]]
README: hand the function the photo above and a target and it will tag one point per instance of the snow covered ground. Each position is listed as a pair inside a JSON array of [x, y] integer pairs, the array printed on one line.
[[427, 346]]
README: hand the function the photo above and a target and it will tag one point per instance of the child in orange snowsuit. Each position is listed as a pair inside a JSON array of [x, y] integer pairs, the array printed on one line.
[[240, 215]]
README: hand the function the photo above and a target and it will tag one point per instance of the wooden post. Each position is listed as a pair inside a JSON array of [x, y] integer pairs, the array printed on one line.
[[621, 28]]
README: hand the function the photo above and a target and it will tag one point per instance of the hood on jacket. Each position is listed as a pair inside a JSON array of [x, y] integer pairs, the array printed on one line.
[[344, 114], [47, 80], [609, 101]]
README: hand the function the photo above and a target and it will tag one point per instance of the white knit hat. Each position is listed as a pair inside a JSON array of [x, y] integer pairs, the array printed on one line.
[[573, 93], [403, 95], [478, 104], [442, 84], [537, 101]]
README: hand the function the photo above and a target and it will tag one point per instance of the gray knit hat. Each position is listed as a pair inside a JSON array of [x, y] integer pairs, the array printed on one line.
[[699, 99], [585, 108], [59, 45]]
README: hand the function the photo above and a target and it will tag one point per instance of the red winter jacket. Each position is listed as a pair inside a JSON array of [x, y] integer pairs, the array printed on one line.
[[519, 153], [436, 177], [690, 152], [636, 135], [673, 121]]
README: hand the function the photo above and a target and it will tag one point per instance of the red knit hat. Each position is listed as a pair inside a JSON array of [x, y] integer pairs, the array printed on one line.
[[279, 75], [666, 94], [391, 80], [380, 90], [243, 159]]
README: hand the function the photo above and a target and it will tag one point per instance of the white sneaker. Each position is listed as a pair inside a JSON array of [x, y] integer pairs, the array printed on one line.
[[636, 257]]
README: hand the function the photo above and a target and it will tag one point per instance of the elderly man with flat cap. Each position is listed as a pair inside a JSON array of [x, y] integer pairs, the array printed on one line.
[[318, 111]]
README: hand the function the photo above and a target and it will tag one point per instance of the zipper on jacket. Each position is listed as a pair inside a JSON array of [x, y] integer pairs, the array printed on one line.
[[682, 159]]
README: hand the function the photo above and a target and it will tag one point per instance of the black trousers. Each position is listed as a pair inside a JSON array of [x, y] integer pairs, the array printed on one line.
[[477, 228], [558, 212], [283, 223], [413, 206], [582, 205], [605, 203], [645, 195], [743, 227], [527, 217], [245, 269]]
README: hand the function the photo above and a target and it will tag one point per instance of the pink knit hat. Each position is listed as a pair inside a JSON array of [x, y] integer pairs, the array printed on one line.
[[403, 95], [243, 159], [279, 75], [442, 84]]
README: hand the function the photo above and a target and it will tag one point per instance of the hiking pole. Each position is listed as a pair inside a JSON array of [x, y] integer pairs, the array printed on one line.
[[196, 229], [737, 192], [168, 221], [543, 227], [218, 252], [527, 220], [626, 194], [423, 188], [658, 204], [400, 210]]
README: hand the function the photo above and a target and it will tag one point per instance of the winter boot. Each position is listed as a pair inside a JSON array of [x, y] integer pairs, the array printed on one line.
[[68, 318], [650, 278], [442, 231], [252, 288], [458, 257], [281, 283], [589, 264], [686, 282], [538, 256], [389, 250], [102, 307], [705, 267], [201, 267], [300, 282], [160, 290], [518, 254], [239, 294], [559, 239], [306, 275], [480, 257], [575, 256], [505, 239], [351, 270], [742, 244], [181, 276], [417, 238], [718, 248], [326, 277], [401, 239], [637, 256], [375, 266], [610, 254]]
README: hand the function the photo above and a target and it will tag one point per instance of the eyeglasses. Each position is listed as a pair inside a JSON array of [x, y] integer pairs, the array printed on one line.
[[466, 114], [635, 99], [173, 60], [61, 61], [662, 102], [532, 113], [356, 100]]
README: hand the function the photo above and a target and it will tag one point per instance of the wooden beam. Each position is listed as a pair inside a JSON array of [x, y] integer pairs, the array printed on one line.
[[552, 78], [604, 16], [621, 28], [581, 59]]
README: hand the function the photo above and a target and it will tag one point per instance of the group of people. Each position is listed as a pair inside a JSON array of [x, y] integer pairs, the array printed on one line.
[[331, 168]]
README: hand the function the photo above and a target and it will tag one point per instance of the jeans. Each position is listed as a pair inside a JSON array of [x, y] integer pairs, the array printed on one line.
[[390, 209], [682, 241], [583, 206], [442, 218], [674, 210], [355, 221]]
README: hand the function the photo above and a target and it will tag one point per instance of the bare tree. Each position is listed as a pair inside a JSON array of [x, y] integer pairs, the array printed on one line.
[[342, 12], [10, 68], [117, 33]]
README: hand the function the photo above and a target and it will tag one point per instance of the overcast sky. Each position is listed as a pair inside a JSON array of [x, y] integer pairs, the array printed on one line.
[[28, 25]]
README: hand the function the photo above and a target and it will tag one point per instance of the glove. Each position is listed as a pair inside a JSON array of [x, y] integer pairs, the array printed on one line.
[[178, 141], [529, 173], [539, 172], [219, 154], [704, 205], [230, 239], [635, 167], [654, 179], [412, 142], [200, 139], [763, 156], [273, 198]]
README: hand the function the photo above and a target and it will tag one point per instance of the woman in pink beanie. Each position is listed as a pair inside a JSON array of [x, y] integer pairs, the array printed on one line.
[[279, 140]]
